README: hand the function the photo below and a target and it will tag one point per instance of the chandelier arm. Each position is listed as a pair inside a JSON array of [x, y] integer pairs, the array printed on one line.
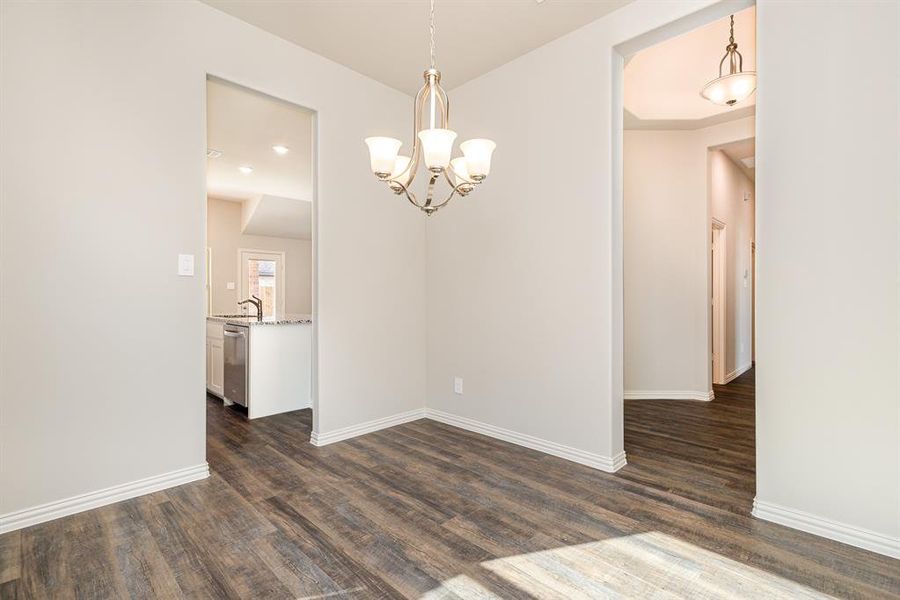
[[409, 195], [444, 103], [722, 62], [430, 195], [413, 166], [446, 200], [462, 180]]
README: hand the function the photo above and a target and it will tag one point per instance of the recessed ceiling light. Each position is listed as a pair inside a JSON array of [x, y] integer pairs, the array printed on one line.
[[279, 149], [245, 169], [213, 153]]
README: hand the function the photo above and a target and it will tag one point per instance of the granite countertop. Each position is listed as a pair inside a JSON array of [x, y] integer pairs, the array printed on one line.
[[286, 319]]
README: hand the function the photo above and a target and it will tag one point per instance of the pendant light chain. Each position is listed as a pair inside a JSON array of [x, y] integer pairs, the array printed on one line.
[[431, 28], [731, 37]]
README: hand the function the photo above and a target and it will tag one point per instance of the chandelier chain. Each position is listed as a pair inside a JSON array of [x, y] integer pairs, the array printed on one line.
[[431, 29], [730, 37]]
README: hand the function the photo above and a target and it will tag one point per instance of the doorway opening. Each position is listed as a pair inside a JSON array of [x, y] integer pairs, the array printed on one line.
[[260, 192], [684, 215]]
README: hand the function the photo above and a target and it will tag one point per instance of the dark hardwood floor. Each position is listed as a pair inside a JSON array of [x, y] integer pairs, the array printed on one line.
[[425, 510]]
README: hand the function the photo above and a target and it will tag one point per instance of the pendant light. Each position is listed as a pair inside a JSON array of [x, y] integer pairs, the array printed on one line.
[[432, 143], [730, 89]]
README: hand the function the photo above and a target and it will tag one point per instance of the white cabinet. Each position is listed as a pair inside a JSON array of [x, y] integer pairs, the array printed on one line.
[[215, 358]]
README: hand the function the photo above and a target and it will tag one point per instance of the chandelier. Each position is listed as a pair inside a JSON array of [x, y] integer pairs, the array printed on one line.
[[737, 85], [434, 145]]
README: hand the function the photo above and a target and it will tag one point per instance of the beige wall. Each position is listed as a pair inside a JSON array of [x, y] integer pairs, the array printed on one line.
[[828, 292], [727, 186], [102, 347], [671, 190], [224, 237], [521, 300]]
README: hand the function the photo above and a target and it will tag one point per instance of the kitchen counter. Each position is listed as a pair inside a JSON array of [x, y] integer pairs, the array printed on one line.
[[286, 319], [265, 366]]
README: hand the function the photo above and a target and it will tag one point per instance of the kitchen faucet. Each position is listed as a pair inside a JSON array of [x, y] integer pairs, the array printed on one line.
[[255, 301]]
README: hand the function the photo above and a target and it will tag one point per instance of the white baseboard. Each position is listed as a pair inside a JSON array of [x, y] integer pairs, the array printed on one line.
[[833, 530], [345, 433], [737, 372], [117, 493], [609, 464], [669, 395]]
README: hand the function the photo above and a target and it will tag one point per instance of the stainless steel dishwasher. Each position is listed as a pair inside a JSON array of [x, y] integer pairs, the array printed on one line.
[[236, 350]]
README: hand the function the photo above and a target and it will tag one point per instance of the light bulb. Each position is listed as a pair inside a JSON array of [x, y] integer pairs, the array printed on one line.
[[478, 157], [382, 154], [437, 144]]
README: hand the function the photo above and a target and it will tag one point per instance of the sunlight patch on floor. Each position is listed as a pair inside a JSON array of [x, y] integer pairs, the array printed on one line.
[[646, 565], [457, 587]]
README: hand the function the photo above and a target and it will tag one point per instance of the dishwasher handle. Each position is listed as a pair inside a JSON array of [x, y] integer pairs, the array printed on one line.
[[234, 334]]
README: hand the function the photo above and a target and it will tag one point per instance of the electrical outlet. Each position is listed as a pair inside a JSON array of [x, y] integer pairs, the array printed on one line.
[[457, 385]]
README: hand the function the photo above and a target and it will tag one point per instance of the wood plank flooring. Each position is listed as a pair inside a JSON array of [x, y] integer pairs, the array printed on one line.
[[425, 510]]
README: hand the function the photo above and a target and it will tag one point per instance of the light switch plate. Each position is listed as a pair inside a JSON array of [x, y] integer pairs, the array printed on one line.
[[186, 265], [229, 285], [457, 385]]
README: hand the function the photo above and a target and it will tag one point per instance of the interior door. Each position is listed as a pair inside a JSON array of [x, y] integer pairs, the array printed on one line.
[[262, 275]]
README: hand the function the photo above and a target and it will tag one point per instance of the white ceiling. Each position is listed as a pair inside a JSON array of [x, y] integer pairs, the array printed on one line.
[[244, 125], [277, 217], [741, 153], [388, 39], [663, 82]]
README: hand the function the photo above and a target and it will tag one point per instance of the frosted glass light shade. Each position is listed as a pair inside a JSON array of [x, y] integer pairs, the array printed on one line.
[[478, 157], [459, 170], [400, 165], [460, 174], [400, 174], [730, 89], [382, 154], [437, 144]]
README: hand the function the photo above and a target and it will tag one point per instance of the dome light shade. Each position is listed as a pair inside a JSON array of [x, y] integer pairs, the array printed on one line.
[[478, 157], [382, 154], [731, 89]]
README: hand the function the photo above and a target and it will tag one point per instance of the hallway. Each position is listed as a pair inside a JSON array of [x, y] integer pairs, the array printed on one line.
[[703, 451]]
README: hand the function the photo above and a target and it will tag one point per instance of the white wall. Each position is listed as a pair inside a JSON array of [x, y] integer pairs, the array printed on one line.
[[666, 216], [828, 288], [519, 274], [103, 161], [728, 185], [224, 237], [669, 198]]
